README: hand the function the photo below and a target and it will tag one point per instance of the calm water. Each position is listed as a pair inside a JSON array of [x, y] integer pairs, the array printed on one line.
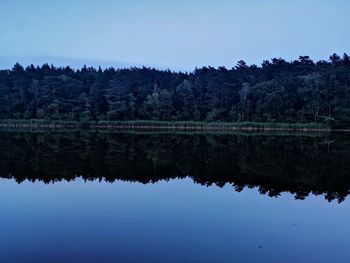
[[118, 197]]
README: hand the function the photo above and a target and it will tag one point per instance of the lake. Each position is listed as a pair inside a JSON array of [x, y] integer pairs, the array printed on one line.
[[98, 196]]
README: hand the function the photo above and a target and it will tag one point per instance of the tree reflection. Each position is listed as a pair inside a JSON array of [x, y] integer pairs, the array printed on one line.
[[274, 164]]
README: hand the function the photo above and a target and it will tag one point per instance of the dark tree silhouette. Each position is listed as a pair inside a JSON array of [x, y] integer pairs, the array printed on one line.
[[300, 91]]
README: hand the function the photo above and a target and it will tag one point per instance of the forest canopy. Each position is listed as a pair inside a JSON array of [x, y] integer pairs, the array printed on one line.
[[299, 91]]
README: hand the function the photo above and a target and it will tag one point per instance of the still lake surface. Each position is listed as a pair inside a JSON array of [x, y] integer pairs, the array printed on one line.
[[88, 196]]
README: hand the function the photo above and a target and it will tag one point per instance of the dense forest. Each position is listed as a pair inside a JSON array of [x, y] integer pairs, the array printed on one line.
[[300, 91]]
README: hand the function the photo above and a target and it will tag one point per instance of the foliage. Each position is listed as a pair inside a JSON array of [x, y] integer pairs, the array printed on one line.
[[278, 91]]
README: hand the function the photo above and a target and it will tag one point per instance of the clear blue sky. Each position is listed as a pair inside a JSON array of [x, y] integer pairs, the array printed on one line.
[[176, 34]]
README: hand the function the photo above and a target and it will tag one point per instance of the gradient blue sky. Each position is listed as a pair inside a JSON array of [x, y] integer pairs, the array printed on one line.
[[172, 34]]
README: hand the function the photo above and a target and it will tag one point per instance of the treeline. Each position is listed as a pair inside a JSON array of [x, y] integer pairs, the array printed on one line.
[[299, 91]]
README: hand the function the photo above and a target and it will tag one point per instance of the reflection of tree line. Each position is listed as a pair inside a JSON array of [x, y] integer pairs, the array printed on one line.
[[299, 165]]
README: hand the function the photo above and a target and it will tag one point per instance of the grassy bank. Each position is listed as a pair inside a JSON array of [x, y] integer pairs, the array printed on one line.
[[163, 125]]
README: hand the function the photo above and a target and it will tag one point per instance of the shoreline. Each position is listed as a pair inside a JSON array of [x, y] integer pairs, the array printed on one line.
[[168, 126]]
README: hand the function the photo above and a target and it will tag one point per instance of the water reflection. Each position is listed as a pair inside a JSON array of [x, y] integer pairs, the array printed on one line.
[[301, 165]]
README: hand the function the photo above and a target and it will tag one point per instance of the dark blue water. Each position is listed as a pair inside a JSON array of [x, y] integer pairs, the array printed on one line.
[[175, 221], [181, 219]]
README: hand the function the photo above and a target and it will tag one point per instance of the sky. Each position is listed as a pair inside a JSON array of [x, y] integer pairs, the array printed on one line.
[[179, 35]]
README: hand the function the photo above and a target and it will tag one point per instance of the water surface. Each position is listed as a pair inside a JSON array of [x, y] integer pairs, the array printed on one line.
[[118, 197]]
